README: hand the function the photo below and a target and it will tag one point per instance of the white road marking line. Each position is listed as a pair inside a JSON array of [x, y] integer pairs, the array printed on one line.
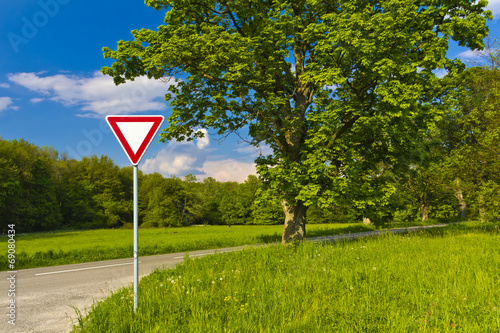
[[84, 269], [193, 255], [203, 254], [128, 263]]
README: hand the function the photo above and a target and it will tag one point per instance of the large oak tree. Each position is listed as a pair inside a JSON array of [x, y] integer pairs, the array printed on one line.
[[333, 87]]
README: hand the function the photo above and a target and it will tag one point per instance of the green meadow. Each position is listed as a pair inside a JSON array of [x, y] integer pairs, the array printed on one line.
[[59, 248], [439, 280]]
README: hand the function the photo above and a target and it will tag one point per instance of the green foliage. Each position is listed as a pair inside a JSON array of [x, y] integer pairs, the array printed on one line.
[[41, 192], [332, 88], [162, 201], [212, 194], [267, 209], [470, 137], [236, 206], [28, 196], [95, 193], [43, 212], [338, 214]]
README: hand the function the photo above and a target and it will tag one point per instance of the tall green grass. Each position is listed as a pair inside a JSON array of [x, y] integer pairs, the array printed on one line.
[[58, 248], [442, 280]]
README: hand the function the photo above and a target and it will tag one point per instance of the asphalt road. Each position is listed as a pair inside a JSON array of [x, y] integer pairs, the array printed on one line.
[[46, 298]]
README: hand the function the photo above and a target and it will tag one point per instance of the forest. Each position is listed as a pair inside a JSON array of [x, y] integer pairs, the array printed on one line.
[[450, 174]]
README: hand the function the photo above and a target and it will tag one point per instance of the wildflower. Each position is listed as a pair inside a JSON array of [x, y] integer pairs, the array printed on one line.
[[374, 268]]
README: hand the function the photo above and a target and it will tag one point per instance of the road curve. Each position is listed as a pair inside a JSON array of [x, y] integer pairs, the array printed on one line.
[[46, 298]]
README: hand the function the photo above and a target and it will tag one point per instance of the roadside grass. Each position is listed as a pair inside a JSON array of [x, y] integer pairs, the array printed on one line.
[[443, 280], [69, 247]]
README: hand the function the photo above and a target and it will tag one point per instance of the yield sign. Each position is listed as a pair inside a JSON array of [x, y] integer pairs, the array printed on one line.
[[135, 133]]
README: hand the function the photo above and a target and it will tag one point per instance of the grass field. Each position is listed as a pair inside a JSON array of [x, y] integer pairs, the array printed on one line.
[[440, 280], [58, 248]]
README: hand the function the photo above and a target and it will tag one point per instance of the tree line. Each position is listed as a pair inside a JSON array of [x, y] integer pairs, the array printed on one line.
[[41, 190]]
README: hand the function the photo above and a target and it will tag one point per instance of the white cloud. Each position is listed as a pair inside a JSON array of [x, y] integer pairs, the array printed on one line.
[[179, 158], [440, 73], [97, 95], [477, 58], [253, 151], [36, 100], [469, 54], [6, 104], [4, 85], [202, 143], [227, 170], [494, 6], [169, 165]]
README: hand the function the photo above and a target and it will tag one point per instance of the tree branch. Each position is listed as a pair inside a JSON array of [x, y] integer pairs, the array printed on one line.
[[347, 125]]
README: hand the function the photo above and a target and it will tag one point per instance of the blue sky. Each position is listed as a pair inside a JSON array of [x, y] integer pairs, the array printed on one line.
[[52, 92]]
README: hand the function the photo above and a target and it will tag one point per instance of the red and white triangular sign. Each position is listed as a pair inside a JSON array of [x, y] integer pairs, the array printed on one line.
[[135, 133]]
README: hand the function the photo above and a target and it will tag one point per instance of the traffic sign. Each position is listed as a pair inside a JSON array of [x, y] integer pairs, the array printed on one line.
[[135, 133]]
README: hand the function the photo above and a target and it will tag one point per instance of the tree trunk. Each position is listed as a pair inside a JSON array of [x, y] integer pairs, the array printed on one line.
[[425, 202], [424, 209], [295, 222], [462, 205]]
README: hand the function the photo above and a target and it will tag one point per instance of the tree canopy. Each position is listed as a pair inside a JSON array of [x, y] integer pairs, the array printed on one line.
[[332, 87]]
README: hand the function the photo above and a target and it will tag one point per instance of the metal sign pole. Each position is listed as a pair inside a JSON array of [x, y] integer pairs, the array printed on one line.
[[135, 133], [136, 240]]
